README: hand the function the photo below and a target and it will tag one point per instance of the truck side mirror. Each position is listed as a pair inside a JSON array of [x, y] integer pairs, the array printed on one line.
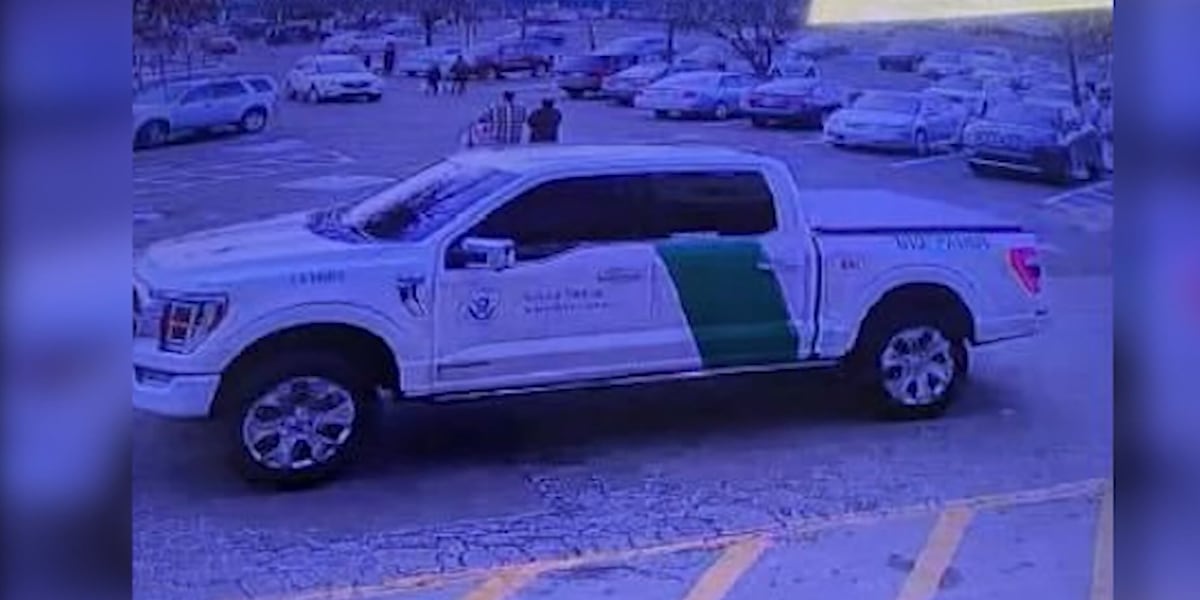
[[484, 253]]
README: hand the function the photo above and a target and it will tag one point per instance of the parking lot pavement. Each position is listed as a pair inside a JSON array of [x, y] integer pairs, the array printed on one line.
[[1048, 542]]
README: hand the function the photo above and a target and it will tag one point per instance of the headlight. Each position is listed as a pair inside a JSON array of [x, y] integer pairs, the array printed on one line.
[[180, 321]]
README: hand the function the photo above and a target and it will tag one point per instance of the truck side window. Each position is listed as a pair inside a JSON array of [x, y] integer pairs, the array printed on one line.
[[725, 203], [560, 214]]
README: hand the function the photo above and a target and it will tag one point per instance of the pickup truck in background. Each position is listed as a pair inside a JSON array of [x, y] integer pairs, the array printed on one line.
[[508, 271]]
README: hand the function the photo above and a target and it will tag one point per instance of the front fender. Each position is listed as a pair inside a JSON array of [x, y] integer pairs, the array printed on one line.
[[409, 340]]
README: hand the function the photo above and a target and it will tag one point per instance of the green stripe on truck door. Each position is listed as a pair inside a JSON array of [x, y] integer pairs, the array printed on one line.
[[736, 311]]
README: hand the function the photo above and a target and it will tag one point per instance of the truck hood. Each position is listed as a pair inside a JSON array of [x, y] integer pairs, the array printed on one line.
[[283, 239], [882, 210]]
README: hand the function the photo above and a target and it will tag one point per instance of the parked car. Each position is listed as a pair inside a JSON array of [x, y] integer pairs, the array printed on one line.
[[817, 46], [555, 38], [292, 33], [943, 64], [163, 111], [332, 76], [713, 94], [497, 59], [625, 85], [357, 42], [219, 44], [418, 62], [970, 92], [285, 331], [585, 74], [897, 120], [1048, 139], [797, 101], [900, 56]]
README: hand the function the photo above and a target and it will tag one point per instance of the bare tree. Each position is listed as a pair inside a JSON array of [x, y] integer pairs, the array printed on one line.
[[753, 28]]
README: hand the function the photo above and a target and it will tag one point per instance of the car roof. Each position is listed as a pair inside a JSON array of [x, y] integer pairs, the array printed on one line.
[[584, 157]]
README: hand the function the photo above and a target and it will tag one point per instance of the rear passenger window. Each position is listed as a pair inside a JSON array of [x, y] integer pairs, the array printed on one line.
[[261, 85], [725, 203], [227, 89]]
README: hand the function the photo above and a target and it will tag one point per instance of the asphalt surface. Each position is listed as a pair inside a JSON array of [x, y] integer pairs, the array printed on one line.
[[757, 487]]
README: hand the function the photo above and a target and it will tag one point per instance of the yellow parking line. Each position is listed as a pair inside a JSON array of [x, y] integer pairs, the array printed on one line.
[[801, 525], [1102, 560], [737, 558], [504, 584], [935, 557]]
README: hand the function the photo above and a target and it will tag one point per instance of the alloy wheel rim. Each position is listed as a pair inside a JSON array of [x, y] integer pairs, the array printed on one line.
[[918, 366], [301, 423]]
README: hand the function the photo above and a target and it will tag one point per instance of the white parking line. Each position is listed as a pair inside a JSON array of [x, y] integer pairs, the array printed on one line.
[[1055, 199], [912, 162]]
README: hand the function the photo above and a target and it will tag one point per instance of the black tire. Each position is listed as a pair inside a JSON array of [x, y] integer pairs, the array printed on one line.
[[870, 375], [575, 94], [312, 96], [262, 377], [253, 120], [153, 134], [660, 114], [722, 112]]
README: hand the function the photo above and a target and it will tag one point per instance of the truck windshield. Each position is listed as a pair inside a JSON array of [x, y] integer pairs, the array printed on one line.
[[423, 203]]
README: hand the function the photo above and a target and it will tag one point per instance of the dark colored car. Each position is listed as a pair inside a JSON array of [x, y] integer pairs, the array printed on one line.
[[292, 34], [582, 75], [497, 59], [1043, 139], [900, 56], [802, 101]]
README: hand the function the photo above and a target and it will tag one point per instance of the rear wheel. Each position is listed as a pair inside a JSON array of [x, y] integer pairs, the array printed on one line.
[[299, 418], [721, 111], [911, 366]]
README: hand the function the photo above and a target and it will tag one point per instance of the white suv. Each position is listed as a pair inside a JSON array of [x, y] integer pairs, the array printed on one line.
[[332, 76], [169, 108]]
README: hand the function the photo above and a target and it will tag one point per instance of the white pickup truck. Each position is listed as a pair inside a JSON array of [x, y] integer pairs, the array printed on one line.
[[526, 269]]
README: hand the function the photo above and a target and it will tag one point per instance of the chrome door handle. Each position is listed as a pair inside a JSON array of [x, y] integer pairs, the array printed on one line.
[[765, 266]]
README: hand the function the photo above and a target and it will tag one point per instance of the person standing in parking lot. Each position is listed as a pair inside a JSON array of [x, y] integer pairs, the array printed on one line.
[[459, 72], [389, 58], [433, 79], [505, 120], [544, 123]]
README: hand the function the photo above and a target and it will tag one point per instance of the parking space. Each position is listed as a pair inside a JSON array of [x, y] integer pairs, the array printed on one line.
[[1047, 542]]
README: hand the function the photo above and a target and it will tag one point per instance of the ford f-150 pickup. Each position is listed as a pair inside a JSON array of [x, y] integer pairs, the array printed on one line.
[[530, 269]]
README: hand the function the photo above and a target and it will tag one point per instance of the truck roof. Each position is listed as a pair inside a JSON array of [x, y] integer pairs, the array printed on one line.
[[530, 158]]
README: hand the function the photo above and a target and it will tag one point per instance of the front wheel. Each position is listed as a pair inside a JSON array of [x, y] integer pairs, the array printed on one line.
[[312, 96], [152, 134], [921, 143], [299, 419], [721, 111], [911, 367]]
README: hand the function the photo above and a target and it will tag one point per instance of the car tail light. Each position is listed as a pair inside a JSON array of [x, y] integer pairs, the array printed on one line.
[[1027, 268]]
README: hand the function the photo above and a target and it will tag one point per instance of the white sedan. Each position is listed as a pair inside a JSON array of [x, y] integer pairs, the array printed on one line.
[[332, 76], [358, 42], [897, 120]]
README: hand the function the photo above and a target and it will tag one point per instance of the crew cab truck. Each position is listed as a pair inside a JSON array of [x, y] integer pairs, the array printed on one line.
[[528, 269]]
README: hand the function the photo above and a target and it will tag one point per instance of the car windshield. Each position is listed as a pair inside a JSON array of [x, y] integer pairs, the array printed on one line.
[[1021, 113], [162, 93], [893, 103], [423, 203], [340, 64]]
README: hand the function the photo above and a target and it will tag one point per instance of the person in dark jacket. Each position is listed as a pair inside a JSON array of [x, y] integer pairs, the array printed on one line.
[[544, 123], [389, 58], [460, 71], [433, 79]]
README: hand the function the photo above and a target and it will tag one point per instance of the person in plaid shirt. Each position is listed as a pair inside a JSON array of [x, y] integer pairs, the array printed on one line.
[[505, 120]]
